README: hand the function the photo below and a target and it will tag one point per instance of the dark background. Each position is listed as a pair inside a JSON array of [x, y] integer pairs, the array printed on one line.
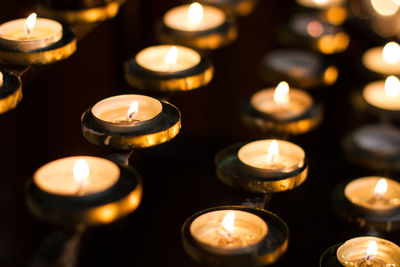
[[179, 177]]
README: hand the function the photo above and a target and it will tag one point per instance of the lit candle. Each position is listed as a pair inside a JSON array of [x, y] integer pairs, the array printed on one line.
[[167, 58], [271, 156], [281, 102], [1, 79], [125, 112], [383, 94], [228, 231], [383, 60], [77, 176], [368, 251], [374, 193], [321, 4], [194, 17], [385, 7], [29, 34]]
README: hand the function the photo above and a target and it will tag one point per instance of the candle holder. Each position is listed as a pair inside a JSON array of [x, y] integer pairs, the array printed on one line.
[[160, 129], [60, 50], [374, 147], [10, 91], [383, 220], [300, 68], [377, 64], [353, 253], [186, 79], [233, 7], [310, 31], [79, 12], [103, 207], [234, 173], [269, 249]]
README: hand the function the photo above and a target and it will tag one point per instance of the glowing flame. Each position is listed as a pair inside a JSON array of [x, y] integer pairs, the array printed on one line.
[[1, 79], [195, 14], [372, 250], [30, 23], [172, 56], [273, 151], [380, 188], [385, 7], [133, 110], [321, 1], [391, 52], [228, 223], [81, 170], [392, 86], [281, 94], [315, 28]]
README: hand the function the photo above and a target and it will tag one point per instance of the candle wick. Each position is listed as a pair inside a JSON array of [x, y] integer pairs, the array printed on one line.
[[80, 190], [228, 235]]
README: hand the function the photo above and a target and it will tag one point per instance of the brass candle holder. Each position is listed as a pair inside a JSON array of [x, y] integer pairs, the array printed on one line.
[[233, 7], [79, 12], [60, 50], [10, 91], [374, 147], [267, 250]]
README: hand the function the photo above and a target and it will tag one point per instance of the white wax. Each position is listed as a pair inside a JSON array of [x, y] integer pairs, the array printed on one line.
[[153, 58], [321, 4], [14, 36], [177, 18], [115, 109], [264, 102], [57, 177], [255, 154], [249, 229], [374, 93], [373, 60]]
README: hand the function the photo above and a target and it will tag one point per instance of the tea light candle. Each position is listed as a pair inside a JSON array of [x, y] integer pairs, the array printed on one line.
[[77, 176], [167, 58], [29, 34], [383, 60], [194, 17], [281, 102], [368, 251], [228, 231], [383, 94], [126, 111], [1, 79], [321, 4], [270, 155], [374, 193]]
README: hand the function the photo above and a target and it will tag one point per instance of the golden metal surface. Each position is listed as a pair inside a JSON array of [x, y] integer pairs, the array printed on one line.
[[11, 101]]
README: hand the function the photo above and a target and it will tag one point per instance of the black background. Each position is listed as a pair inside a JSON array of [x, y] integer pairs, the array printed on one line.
[[179, 177]]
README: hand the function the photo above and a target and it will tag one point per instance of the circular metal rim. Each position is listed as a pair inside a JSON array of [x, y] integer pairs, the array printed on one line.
[[189, 79], [329, 259], [51, 54], [231, 172], [211, 39], [278, 235], [13, 86], [306, 122], [148, 137], [386, 221], [101, 208], [81, 16]]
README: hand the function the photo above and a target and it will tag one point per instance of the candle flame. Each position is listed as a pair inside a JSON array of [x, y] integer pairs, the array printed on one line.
[[391, 53], [273, 151], [195, 13], [372, 250], [172, 56], [228, 223], [392, 86], [81, 170], [380, 188], [315, 28], [321, 1], [281, 94], [1, 79], [133, 110], [30, 23]]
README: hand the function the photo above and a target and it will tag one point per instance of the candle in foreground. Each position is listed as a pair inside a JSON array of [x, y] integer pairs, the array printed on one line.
[[126, 110], [228, 231], [281, 102], [167, 58], [383, 94], [374, 193], [272, 155], [77, 176], [29, 34], [368, 251], [383, 60], [194, 17]]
